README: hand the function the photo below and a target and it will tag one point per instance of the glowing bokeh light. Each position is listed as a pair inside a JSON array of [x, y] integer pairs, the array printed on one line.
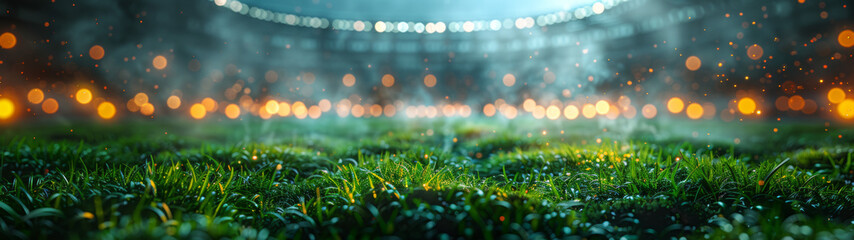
[[588, 110], [846, 109], [746, 105], [602, 107], [232, 111], [107, 110], [159, 62], [35, 96], [8, 40], [84, 96], [430, 80], [796, 103], [755, 52], [693, 63], [836, 95], [173, 102], [272, 107], [50, 106], [570, 112], [96, 52], [675, 105], [299, 109], [846, 38], [553, 112], [508, 80], [489, 110], [649, 111], [209, 104], [388, 80], [284, 109], [349, 80], [198, 111], [146, 109], [140, 99], [7, 108], [694, 111]]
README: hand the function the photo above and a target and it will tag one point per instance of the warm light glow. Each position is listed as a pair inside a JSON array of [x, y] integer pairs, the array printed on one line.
[[388, 80], [232, 111], [272, 107], [602, 107], [7, 108], [746, 105], [570, 112], [836, 95], [173, 102], [693, 63], [755, 52], [35, 96], [284, 109], [588, 111], [528, 105], [552, 112], [846, 38], [376, 110], [159, 62], [314, 112], [299, 109], [348, 80], [324, 105], [140, 99], [198, 111], [8, 40], [649, 111], [508, 80], [510, 112], [846, 109], [146, 109], [84, 96], [50, 106], [357, 110], [796, 103], [96, 52], [389, 110], [694, 111], [430, 80], [107, 110], [489, 110], [209, 104], [675, 105], [782, 103]]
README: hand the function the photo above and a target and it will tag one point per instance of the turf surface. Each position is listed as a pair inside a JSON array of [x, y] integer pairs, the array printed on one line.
[[445, 179]]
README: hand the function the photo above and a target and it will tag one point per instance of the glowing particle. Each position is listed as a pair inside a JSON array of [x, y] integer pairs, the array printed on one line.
[[693, 63], [50, 106], [388, 80], [140, 99], [159, 62], [588, 110], [675, 105], [489, 110], [146, 109], [430, 80], [96, 52], [846, 38], [198, 111], [8, 40], [846, 109], [284, 109], [232, 111], [746, 105], [528, 105], [570, 112], [35, 96], [649, 111], [299, 109], [754, 52], [796, 103], [508, 80], [7, 108], [349, 80], [209, 104], [552, 112], [84, 96], [694, 111], [272, 107], [836, 95], [106, 110], [602, 107], [173, 102]]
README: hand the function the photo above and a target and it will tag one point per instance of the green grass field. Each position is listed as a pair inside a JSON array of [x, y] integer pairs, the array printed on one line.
[[445, 179]]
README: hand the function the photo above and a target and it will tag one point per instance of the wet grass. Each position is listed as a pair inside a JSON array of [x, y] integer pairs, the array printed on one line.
[[414, 180]]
